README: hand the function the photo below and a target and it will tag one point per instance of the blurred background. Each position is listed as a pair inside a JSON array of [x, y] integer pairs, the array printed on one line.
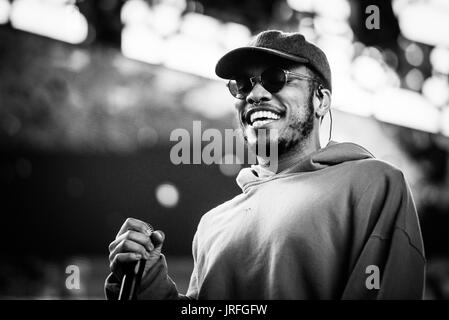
[[91, 90]]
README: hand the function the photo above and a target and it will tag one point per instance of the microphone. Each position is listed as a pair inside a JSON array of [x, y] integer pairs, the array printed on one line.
[[132, 278]]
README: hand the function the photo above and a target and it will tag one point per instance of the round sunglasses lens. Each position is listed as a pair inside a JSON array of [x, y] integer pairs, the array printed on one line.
[[239, 88], [273, 79], [233, 89]]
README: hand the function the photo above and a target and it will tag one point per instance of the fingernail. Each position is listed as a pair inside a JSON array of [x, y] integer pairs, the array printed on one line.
[[138, 256]]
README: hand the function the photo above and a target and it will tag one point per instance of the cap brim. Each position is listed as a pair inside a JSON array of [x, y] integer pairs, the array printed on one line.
[[232, 62]]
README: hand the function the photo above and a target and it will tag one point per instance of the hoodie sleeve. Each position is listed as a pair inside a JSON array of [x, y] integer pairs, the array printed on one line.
[[192, 292], [389, 262], [155, 285]]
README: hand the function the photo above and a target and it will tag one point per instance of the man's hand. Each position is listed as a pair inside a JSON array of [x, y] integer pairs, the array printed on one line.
[[133, 242]]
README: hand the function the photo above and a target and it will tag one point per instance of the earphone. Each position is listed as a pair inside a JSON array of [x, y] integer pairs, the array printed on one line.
[[319, 93]]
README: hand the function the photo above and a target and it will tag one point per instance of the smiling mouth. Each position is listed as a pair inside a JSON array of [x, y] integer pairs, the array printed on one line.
[[259, 117]]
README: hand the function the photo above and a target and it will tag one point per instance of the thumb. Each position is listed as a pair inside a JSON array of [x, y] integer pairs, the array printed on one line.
[[158, 237]]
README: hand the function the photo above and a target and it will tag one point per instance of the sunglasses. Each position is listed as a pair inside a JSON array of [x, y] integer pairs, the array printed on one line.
[[272, 79]]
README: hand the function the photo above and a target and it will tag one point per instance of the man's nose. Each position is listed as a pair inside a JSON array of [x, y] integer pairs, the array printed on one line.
[[258, 94]]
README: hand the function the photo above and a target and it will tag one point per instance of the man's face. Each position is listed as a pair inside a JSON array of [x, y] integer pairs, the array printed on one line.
[[290, 112]]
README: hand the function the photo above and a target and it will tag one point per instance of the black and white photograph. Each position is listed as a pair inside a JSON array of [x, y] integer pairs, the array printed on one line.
[[233, 150]]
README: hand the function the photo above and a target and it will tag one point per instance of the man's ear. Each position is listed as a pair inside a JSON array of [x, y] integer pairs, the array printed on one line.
[[322, 101]]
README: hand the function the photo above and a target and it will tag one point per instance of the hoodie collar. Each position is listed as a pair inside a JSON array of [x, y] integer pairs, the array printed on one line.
[[333, 154]]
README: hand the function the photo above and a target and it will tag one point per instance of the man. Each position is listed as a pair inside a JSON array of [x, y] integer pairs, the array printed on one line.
[[327, 223]]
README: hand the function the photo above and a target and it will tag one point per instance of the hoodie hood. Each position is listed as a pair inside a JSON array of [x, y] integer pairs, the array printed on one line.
[[333, 154]]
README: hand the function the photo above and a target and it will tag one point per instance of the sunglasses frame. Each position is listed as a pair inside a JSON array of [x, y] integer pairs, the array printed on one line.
[[258, 79]]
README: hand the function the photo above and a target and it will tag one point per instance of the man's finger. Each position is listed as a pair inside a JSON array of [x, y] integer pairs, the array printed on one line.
[[157, 238], [135, 236], [129, 246], [136, 225]]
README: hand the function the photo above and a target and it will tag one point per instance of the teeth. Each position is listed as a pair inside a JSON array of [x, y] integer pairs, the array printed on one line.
[[263, 114], [260, 123]]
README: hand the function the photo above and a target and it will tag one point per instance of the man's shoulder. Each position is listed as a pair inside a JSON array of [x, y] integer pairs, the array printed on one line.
[[374, 168], [222, 208], [375, 172]]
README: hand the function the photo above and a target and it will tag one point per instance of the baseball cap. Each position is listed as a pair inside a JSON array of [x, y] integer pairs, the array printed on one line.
[[274, 43]]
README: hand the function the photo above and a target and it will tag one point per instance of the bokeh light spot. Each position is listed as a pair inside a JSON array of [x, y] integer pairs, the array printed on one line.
[[167, 195]]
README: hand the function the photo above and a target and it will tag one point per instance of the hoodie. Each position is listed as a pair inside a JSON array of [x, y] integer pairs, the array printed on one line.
[[337, 225]]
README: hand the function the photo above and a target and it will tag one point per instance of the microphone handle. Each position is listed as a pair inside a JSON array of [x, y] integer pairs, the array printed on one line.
[[131, 280]]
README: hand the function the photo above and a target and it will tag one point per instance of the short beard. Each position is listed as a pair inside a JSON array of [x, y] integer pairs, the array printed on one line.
[[301, 131]]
